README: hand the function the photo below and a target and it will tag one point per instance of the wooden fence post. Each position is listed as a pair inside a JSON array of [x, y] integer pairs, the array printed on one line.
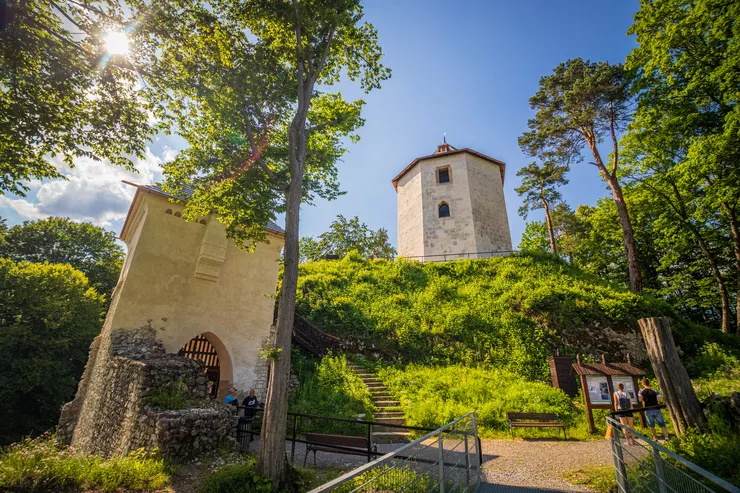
[[678, 393]]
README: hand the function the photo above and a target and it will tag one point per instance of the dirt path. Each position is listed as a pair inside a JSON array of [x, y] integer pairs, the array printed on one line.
[[540, 464]]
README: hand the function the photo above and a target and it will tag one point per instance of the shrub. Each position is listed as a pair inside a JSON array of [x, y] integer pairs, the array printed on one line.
[[235, 478], [329, 387], [48, 317], [40, 465], [391, 478], [433, 396]]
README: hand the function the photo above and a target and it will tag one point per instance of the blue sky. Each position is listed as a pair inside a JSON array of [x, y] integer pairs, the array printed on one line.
[[462, 68]]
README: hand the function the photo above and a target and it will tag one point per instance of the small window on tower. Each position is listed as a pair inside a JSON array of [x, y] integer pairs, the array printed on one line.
[[444, 210], [443, 175]]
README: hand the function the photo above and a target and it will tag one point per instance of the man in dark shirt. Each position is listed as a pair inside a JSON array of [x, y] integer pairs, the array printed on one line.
[[650, 397], [250, 404]]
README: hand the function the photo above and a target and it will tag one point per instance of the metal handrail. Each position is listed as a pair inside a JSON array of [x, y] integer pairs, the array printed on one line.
[[396, 453], [656, 446], [458, 255]]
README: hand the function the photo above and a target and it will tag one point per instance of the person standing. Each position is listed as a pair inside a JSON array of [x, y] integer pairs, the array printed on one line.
[[650, 398], [623, 404], [250, 404]]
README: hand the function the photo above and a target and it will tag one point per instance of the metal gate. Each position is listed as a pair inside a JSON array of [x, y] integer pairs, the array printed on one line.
[[201, 349]]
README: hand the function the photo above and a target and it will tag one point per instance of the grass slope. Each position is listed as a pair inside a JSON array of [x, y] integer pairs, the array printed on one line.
[[509, 313]]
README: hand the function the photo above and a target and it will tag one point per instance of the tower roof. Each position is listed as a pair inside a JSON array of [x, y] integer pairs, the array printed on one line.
[[446, 149]]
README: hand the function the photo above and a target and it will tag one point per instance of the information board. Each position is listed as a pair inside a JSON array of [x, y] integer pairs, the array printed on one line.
[[629, 386], [598, 389]]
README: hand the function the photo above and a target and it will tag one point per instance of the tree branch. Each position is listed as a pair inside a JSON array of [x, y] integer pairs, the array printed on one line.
[[257, 155], [615, 155]]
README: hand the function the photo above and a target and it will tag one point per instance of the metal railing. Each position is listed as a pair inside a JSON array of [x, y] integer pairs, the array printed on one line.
[[447, 460], [648, 467], [444, 257], [300, 423]]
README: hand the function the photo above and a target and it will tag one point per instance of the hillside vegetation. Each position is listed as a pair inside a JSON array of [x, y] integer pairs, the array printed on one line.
[[510, 313]]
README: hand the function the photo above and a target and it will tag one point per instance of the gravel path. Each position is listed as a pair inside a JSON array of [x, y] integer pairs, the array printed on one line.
[[540, 463]]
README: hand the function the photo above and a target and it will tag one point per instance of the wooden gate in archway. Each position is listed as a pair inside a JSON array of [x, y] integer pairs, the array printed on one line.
[[200, 348]]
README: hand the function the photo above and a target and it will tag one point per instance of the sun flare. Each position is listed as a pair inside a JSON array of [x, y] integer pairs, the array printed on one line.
[[116, 43]]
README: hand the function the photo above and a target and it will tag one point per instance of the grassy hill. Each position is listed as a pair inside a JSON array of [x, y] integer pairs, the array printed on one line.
[[509, 313]]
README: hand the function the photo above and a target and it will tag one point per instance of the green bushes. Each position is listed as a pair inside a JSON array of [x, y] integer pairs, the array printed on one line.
[[49, 315], [235, 478], [433, 396], [175, 397], [41, 465], [509, 313], [329, 387]]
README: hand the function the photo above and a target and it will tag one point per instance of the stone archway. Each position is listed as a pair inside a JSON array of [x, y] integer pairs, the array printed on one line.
[[208, 348]]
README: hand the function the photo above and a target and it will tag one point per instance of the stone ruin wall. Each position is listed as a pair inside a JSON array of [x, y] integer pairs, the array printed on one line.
[[110, 415]]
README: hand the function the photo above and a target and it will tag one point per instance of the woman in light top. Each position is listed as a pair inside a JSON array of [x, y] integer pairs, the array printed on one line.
[[623, 402]]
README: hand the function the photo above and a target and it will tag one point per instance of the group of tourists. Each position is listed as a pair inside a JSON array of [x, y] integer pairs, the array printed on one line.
[[650, 399], [249, 403]]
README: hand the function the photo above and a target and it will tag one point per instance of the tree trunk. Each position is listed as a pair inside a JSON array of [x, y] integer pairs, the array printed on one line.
[[272, 460], [628, 235], [721, 286], [550, 231], [735, 229], [675, 385]]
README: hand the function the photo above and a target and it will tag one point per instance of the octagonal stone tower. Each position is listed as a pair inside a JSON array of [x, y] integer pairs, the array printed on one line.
[[451, 205]]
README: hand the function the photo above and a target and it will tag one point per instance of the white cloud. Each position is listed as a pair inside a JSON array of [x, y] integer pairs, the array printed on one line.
[[92, 191]]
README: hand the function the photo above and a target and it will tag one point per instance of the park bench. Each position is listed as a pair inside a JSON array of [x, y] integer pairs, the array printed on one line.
[[534, 420], [338, 444]]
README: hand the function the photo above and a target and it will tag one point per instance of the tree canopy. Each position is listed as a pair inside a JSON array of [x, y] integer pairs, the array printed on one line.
[[344, 236], [62, 95], [48, 318], [58, 240], [539, 189]]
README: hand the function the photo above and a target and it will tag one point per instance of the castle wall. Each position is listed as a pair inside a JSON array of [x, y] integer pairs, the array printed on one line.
[[112, 415], [489, 206], [187, 279]]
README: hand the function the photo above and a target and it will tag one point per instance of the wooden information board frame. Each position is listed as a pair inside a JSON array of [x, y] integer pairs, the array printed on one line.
[[609, 371]]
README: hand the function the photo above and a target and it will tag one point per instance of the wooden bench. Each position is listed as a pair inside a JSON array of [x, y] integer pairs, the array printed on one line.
[[534, 420], [327, 443]]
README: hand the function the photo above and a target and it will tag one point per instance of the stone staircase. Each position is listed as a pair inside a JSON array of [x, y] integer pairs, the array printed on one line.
[[387, 409]]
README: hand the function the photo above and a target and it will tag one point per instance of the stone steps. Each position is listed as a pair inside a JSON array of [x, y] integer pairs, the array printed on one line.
[[387, 409]]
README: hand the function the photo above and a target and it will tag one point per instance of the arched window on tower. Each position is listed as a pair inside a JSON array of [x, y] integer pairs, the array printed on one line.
[[444, 210]]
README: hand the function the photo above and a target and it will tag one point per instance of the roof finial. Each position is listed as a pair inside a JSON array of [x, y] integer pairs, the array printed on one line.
[[444, 137]]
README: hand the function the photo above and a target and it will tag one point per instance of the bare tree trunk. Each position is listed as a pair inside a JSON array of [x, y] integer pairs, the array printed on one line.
[[678, 393], [550, 231], [628, 235], [724, 297], [736, 246], [272, 461]]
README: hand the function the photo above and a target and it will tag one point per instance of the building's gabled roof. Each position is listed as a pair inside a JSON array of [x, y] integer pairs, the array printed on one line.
[[449, 152], [187, 193], [606, 369]]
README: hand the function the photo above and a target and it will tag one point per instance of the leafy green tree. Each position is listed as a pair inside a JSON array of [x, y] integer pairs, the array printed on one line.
[[49, 315], [344, 236], [63, 95], [59, 240], [687, 58], [539, 189], [244, 83], [579, 105]]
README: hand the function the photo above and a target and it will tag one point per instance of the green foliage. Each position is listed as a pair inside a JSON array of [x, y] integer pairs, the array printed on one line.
[[402, 478], [41, 465], [62, 95], [329, 387], [717, 452], [235, 478], [59, 240], [433, 396], [48, 318], [345, 236], [174, 397], [511, 313]]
